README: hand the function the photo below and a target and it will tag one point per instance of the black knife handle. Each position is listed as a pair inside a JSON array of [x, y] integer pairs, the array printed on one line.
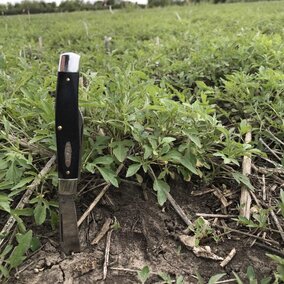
[[68, 125]]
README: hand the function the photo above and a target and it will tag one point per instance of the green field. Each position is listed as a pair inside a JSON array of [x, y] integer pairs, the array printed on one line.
[[174, 92]]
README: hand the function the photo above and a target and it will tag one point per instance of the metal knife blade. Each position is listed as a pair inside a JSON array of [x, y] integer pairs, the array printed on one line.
[[69, 125]]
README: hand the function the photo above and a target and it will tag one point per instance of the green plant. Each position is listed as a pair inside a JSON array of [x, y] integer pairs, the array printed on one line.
[[172, 98], [213, 279], [260, 219], [251, 277], [279, 274], [144, 274]]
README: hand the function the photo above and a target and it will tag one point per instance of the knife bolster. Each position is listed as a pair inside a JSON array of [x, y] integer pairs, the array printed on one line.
[[67, 186]]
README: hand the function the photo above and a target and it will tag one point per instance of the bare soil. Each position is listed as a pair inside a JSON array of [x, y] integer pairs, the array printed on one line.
[[147, 235]]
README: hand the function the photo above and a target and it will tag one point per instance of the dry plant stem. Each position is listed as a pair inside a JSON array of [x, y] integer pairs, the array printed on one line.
[[93, 204], [26, 197], [25, 144], [179, 210], [106, 262], [86, 185], [263, 188], [215, 215], [277, 223], [269, 149], [247, 234], [245, 200], [130, 270], [268, 170], [228, 258], [276, 138], [271, 249], [200, 193], [218, 193], [97, 199], [102, 232], [226, 281], [256, 200], [16, 275]]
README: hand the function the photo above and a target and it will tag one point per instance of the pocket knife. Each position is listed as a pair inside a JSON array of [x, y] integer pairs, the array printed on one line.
[[68, 128]]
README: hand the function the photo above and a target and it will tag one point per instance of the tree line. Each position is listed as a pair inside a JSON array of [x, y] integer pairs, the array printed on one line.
[[34, 7]]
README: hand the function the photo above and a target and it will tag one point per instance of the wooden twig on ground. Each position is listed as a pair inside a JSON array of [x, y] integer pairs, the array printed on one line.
[[25, 198], [276, 221], [245, 199], [228, 258], [97, 199], [106, 262], [269, 149], [175, 205], [130, 270], [179, 210], [276, 138], [256, 199], [263, 170], [103, 231], [200, 193], [246, 234], [25, 144], [271, 249], [219, 194], [93, 204], [215, 215], [86, 185], [263, 188]]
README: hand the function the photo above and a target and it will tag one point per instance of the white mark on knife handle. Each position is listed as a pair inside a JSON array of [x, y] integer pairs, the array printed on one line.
[[68, 154]]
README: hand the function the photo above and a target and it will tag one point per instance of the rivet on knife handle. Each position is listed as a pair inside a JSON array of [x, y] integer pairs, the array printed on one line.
[[68, 127]]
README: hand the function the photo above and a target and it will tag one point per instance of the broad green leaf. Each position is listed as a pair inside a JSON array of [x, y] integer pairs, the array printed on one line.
[[40, 213], [4, 271], [5, 202], [35, 243], [251, 275], [135, 159], [105, 160], [244, 127], [12, 173], [108, 175], [186, 163], [216, 278], [144, 274], [147, 151], [162, 189], [6, 185], [179, 280], [6, 250], [22, 183], [27, 212], [165, 276], [120, 152], [193, 136], [18, 254], [238, 279], [3, 164], [195, 139], [266, 280], [240, 178], [200, 278], [133, 169], [20, 223], [168, 140]]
